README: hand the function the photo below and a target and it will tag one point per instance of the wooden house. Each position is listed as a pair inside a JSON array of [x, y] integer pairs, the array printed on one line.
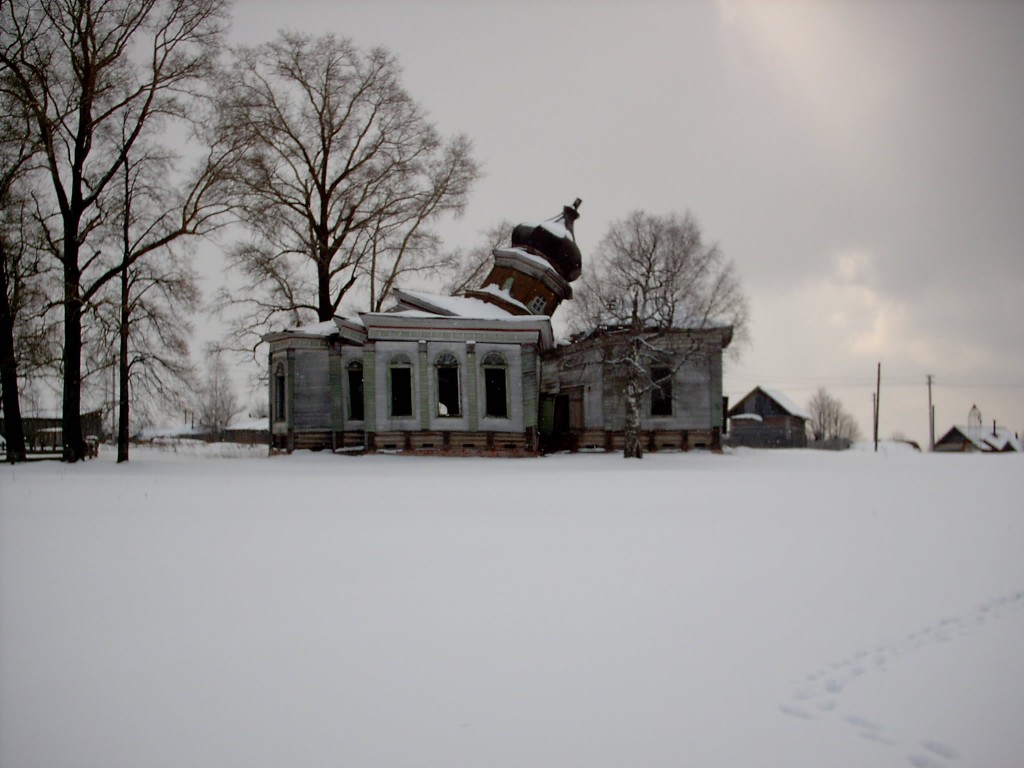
[[975, 438], [766, 418]]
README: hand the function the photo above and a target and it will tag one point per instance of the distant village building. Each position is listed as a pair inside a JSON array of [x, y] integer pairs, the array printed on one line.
[[43, 430], [977, 438], [482, 373], [766, 418]]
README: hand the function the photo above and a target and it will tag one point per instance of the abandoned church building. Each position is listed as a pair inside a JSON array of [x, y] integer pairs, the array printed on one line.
[[482, 373]]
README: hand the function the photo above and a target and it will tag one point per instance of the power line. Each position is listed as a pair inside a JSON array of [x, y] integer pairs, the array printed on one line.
[[897, 380]]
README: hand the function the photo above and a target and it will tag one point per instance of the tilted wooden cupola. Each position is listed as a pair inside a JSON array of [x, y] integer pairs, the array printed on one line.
[[532, 276]]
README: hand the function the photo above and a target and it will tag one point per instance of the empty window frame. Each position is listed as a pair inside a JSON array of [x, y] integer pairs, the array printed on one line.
[[400, 375], [280, 394], [495, 386], [355, 391], [449, 398], [661, 394]]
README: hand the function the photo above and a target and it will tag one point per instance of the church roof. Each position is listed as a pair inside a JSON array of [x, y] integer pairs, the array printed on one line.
[[555, 240], [453, 306]]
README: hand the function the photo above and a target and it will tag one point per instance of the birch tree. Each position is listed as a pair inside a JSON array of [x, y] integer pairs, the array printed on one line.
[[829, 423], [218, 404], [156, 290], [651, 275]]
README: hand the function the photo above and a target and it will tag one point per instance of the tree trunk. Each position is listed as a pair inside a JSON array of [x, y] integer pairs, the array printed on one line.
[[71, 421], [325, 307], [123, 430], [14, 432], [632, 447]]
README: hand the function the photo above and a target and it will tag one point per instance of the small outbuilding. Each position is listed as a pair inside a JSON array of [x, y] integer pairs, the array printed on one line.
[[975, 438], [766, 418], [43, 429]]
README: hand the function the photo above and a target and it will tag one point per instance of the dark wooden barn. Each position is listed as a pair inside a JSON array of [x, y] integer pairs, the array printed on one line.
[[43, 432], [767, 419]]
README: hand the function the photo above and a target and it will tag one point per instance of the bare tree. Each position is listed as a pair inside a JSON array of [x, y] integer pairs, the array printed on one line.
[[651, 277], [19, 262], [218, 404], [342, 177], [156, 289], [96, 76], [467, 269], [830, 425]]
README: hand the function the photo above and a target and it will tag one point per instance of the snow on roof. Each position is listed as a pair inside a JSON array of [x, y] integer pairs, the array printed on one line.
[[556, 228], [746, 417], [786, 403], [524, 254], [352, 317], [248, 424], [417, 313], [327, 328], [461, 306], [985, 439], [503, 295]]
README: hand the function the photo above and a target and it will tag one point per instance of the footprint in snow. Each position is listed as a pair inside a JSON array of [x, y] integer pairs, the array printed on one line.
[[940, 749], [797, 712], [862, 722], [828, 683]]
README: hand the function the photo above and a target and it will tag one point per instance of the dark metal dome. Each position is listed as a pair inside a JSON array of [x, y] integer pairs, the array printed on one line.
[[555, 240]]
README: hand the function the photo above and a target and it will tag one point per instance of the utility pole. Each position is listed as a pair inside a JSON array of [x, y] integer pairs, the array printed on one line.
[[874, 419], [878, 399], [931, 417]]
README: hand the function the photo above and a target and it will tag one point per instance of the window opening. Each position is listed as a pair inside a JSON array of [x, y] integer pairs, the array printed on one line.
[[355, 391], [495, 386], [280, 392], [449, 401], [537, 305], [401, 392], [661, 395]]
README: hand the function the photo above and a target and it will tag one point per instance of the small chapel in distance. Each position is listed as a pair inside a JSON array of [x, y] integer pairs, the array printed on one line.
[[482, 373]]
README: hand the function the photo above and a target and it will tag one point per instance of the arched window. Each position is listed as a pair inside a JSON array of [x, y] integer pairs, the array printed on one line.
[[400, 374], [449, 399], [495, 386], [280, 393], [355, 391]]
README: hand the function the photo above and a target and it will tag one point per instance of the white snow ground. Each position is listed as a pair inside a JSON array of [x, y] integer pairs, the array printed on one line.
[[785, 608]]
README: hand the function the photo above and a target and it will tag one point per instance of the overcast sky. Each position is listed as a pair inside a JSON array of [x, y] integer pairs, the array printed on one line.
[[861, 162]]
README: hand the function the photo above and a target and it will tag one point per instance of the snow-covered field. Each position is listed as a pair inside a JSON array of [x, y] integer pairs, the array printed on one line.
[[761, 608]]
